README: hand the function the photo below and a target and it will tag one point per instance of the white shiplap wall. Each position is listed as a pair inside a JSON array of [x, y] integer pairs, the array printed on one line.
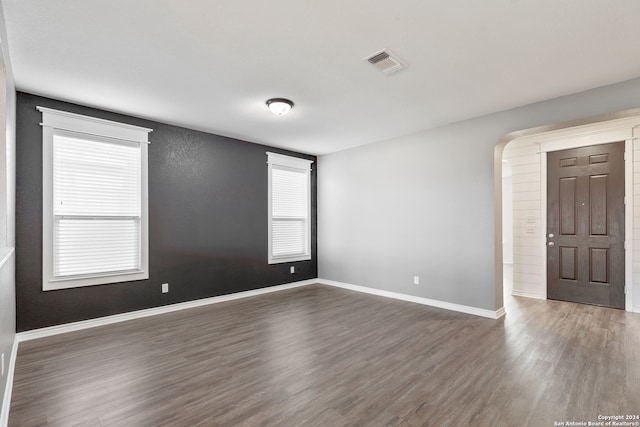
[[636, 221], [529, 277], [526, 159]]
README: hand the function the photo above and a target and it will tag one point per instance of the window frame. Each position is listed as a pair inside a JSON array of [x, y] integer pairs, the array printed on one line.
[[65, 123], [282, 161]]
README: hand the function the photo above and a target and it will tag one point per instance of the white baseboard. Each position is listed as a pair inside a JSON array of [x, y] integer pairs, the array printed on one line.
[[6, 401], [116, 318], [517, 293], [419, 300], [108, 320]]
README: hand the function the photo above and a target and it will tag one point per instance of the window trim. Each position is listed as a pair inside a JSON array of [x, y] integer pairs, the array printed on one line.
[[63, 122], [298, 164]]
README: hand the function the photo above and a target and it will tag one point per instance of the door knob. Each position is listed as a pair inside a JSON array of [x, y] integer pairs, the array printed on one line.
[[551, 235], [552, 244]]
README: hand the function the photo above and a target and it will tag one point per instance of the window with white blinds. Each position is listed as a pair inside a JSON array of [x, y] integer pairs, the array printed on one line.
[[289, 208], [95, 201]]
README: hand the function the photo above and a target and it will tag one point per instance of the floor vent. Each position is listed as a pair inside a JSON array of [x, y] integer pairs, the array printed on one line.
[[386, 61]]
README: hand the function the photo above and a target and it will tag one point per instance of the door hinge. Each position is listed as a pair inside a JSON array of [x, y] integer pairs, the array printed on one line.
[[625, 244], [625, 156], [625, 200]]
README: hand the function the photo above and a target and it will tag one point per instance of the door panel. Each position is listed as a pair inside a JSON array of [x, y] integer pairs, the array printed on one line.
[[585, 225], [568, 263], [568, 206]]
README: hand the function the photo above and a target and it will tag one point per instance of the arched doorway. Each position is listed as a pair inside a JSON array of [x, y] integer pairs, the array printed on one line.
[[531, 145]]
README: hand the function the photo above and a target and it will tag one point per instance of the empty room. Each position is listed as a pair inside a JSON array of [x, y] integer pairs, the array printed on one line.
[[298, 213]]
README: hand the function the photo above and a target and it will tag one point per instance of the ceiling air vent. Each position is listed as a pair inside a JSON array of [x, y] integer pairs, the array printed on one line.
[[386, 61]]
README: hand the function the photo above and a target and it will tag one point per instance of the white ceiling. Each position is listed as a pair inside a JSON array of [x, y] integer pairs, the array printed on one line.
[[211, 65]]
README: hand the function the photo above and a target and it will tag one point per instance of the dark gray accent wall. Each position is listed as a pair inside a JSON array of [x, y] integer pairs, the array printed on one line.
[[207, 222]]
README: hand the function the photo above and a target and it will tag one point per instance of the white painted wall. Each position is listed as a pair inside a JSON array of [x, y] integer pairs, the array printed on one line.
[[7, 217], [423, 204]]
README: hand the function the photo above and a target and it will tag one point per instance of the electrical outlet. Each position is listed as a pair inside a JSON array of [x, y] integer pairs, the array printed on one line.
[[292, 269], [165, 288], [2, 363], [416, 280]]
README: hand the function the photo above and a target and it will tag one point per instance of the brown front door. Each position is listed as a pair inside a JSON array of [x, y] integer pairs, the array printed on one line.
[[585, 225]]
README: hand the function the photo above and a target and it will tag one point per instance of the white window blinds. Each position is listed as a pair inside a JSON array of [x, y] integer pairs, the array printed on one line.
[[289, 208], [289, 211], [95, 207]]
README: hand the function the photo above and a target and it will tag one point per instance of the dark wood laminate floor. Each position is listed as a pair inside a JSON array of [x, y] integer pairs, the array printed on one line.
[[322, 356]]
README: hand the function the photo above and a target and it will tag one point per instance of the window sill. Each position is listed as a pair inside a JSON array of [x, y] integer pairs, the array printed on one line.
[[281, 260], [54, 284]]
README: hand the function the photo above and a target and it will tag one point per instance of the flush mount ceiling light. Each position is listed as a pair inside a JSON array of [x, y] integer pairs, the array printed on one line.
[[279, 106]]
